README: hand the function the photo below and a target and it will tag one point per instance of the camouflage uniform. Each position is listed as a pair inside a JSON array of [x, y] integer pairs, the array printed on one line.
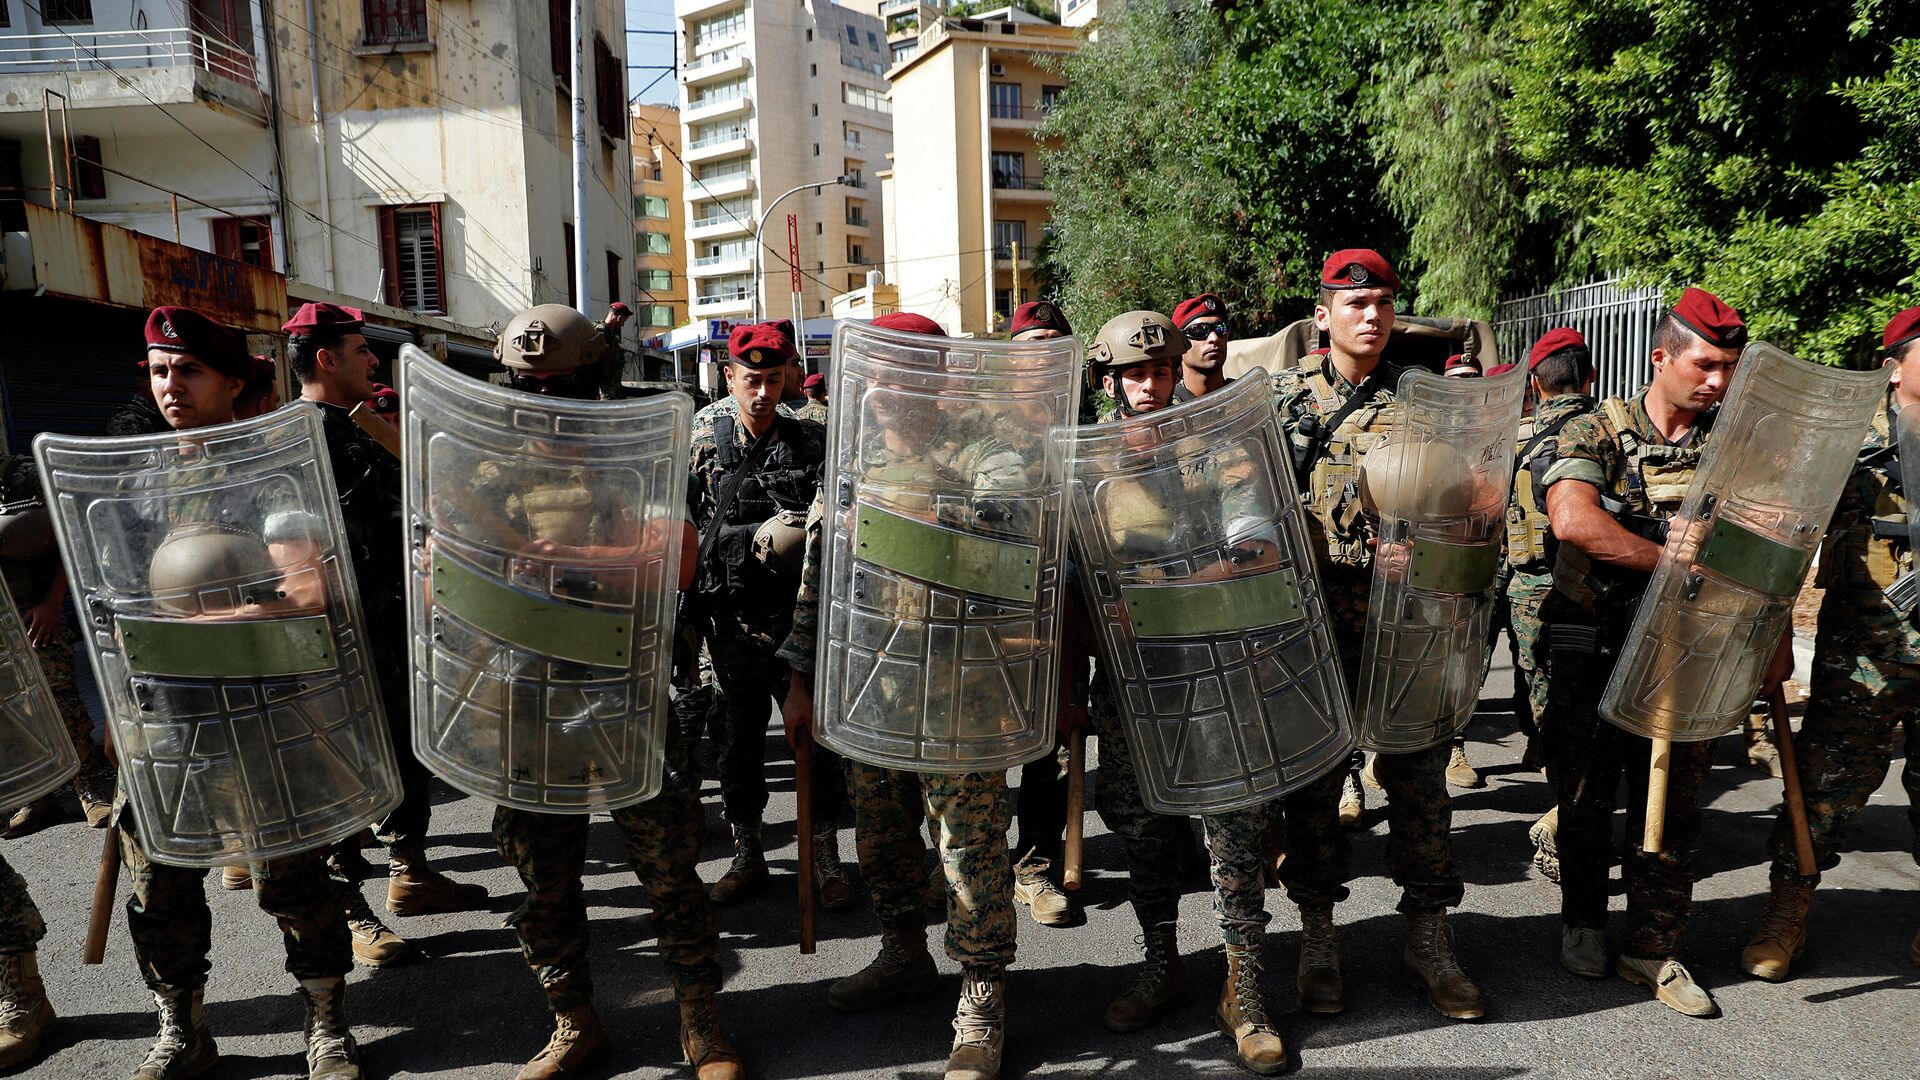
[[21, 927], [807, 409], [1866, 664], [1585, 620], [1419, 811], [1531, 576]]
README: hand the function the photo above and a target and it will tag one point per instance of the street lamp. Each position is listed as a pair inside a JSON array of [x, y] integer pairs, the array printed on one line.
[[759, 234]]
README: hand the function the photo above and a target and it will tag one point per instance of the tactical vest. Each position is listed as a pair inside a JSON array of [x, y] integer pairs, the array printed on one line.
[[1873, 552], [785, 477], [1652, 482], [1529, 536], [1332, 494]]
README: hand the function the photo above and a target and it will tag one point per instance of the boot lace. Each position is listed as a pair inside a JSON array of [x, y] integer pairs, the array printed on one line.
[[12, 994], [327, 1034], [1153, 968], [977, 1020], [1781, 920], [1434, 944], [1319, 948], [826, 856], [1246, 990], [174, 1035]]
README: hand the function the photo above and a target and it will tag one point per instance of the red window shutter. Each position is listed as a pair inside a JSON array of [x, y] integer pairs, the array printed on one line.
[[560, 15], [439, 260], [389, 256], [226, 238], [89, 179]]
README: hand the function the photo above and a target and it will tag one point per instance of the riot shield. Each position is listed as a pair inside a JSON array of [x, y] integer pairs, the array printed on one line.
[[223, 621], [1439, 485], [1905, 592], [36, 754], [546, 539], [1205, 601], [1722, 594], [944, 550]]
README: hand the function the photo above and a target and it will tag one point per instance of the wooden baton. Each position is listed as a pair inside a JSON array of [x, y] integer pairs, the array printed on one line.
[[106, 886], [379, 430], [1790, 777], [803, 822], [1657, 796], [1076, 807]]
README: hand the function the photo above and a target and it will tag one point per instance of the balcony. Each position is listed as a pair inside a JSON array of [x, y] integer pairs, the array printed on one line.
[[722, 265], [857, 220], [692, 10], [1016, 117], [715, 66], [701, 110], [721, 187], [720, 226], [1017, 188], [895, 7], [136, 70], [713, 147], [725, 302]]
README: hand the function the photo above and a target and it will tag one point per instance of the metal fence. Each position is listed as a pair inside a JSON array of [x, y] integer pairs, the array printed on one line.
[[1618, 323]]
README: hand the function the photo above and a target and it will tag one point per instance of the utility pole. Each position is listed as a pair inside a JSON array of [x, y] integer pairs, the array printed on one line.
[[760, 235], [793, 283], [580, 235]]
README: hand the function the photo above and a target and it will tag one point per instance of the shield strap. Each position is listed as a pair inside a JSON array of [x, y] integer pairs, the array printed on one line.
[[538, 624], [249, 649], [1214, 607], [964, 562]]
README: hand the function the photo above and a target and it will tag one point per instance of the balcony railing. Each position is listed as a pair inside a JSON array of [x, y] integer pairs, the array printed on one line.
[[856, 219], [720, 95], [1000, 110], [718, 137], [716, 260], [724, 296], [39, 54], [712, 59], [740, 219], [1010, 182]]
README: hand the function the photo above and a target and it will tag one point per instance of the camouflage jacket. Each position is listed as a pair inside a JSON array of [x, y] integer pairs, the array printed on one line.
[[1534, 450], [1866, 550], [1307, 397]]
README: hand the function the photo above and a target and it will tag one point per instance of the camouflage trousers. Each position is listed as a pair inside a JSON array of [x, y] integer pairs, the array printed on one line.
[[751, 682], [1846, 741], [172, 927], [21, 927], [972, 812], [1525, 593], [1235, 856], [94, 781], [1587, 759], [662, 840]]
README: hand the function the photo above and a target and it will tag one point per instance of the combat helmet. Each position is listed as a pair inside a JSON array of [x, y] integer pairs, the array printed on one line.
[[546, 338], [1135, 337], [195, 560]]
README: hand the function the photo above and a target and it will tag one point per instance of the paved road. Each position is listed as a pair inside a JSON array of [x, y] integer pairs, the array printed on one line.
[[473, 1011]]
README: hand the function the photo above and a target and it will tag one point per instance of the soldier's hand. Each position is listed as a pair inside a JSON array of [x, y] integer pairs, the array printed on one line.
[[796, 712], [43, 622], [1780, 667]]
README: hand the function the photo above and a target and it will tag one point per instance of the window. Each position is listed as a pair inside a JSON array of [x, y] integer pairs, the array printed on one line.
[[852, 171], [809, 35], [856, 254], [705, 135], [1003, 303], [247, 240], [724, 290], [6, 20], [852, 134], [1050, 96], [89, 175], [613, 277], [866, 98], [816, 109], [816, 149], [873, 41], [813, 70], [660, 315], [818, 228], [560, 39], [411, 250], [653, 243], [651, 206], [856, 213], [56, 12], [724, 251], [1005, 235], [1009, 169], [655, 280], [710, 32], [573, 282], [1005, 101], [610, 90], [853, 36], [392, 22]]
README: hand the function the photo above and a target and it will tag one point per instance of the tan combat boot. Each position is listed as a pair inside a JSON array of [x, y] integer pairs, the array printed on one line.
[[576, 1043], [25, 1013], [1429, 963], [1782, 934], [705, 1045], [829, 874], [42, 813], [185, 1046], [1353, 801], [374, 942], [1033, 886], [749, 868], [1672, 984], [1319, 983], [414, 888], [903, 969], [1242, 1014], [1460, 771], [979, 1024], [331, 1052], [1546, 852], [1761, 752], [236, 878], [1159, 987]]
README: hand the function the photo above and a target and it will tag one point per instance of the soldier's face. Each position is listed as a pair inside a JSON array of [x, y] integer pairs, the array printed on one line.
[[1144, 387], [354, 363], [1906, 375], [756, 392], [1041, 333], [1696, 377], [190, 394], [1357, 322], [1208, 351]]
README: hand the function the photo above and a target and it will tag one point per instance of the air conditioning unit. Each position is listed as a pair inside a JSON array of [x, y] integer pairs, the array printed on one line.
[[997, 69]]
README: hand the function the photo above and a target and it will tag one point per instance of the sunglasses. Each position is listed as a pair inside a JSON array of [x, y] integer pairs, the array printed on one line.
[[1203, 331]]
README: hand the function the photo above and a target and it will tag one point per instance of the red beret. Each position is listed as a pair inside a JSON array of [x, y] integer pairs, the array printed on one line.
[[813, 380], [1358, 268], [1710, 319], [1459, 366], [1552, 342], [1038, 315], [385, 399], [184, 330], [909, 323], [785, 326], [620, 307], [325, 319], [1903, 328], [1500, 369], [760, 346], [263, 369], [1198, 307]]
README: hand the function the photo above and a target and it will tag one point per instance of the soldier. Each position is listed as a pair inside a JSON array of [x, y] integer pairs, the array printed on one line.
[[1335, 410], [262, 392], [328, 353], [33, 574], [25, 1013], [1137, 355], [1040, 809], [547, 350], [1203, 322], [1619, 473], [611, 358], [1866, 665], [1561, 367], [973, 811], [196, 369], [1461, 367], [815, 387], [754, 471]]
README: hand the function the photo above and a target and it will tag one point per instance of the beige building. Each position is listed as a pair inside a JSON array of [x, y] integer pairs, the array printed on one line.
[[659, 222], [775, 96], [965, 191]]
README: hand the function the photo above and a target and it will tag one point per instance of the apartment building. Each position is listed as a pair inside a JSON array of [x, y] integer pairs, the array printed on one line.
[[659, 222], [965, 195], [776, 96]]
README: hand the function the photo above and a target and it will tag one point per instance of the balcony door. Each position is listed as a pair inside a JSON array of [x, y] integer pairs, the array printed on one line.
[[223, 37]]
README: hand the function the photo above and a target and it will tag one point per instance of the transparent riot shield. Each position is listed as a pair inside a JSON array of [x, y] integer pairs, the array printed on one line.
[[546, 538], [1721, 597], [944, 550], [223, 621], [1439, 485], [1905, 592], [1205, 601], [36, 754]]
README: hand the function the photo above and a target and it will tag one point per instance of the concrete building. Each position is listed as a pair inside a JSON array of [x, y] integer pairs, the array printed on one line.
[[775, 96], [659, 222], [965, 191]]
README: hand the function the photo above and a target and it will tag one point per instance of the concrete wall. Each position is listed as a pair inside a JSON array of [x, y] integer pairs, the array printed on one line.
[[937, 185]]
